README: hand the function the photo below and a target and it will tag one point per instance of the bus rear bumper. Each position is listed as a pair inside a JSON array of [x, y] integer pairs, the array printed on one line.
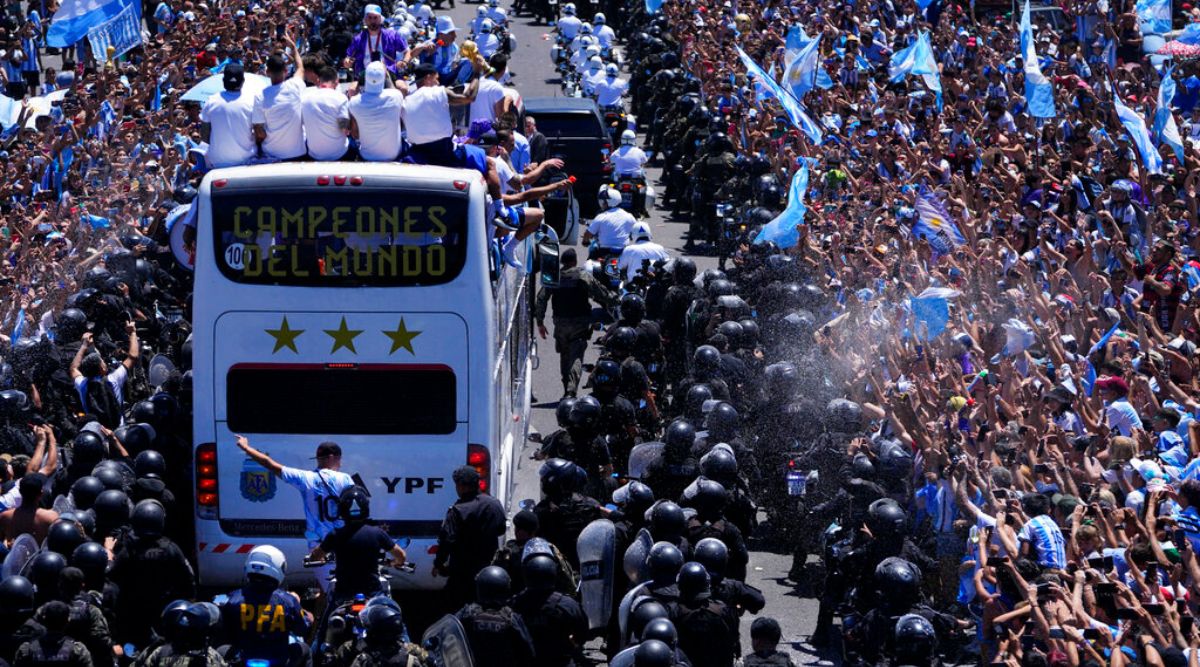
[[220, 559]]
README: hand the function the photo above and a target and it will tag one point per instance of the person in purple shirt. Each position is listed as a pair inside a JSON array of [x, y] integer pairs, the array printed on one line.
[[376, 42]]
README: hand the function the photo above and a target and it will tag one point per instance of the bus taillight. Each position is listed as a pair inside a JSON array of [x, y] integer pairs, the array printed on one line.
[[479, 459], [322, 180], [206, 480]]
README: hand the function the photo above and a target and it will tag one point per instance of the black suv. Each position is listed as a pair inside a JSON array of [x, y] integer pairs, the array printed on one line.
[[574, 131]]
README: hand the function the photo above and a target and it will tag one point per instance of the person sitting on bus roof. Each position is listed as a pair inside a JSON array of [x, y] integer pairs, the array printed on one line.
[[375, 116], [326, 115], [278, 125], [228, 122], [320, 489], [427, 115]]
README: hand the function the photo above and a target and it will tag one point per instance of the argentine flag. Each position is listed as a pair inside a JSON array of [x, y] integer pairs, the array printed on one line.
[[1165, 130], [782, 230], [791, 105], [1135, 126], [934, 224], [1155, 15], [75, 18], [1039, 92], [801, 73], [917, 59]]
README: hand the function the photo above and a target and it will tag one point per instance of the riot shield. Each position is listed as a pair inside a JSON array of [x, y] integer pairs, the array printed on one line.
[[446, 643], [597, 557], [642, 456], [635, 556], [63, 504], [160, 369], [634, 593], [624, 658], [23, 548]]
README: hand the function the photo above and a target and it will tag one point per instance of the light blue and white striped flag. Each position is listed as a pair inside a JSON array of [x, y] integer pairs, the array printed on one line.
[[793, 108], [1165, 130], [1039, 92], [917, 59], [1135, 126], [1155, 15], [75, 18], [782, 230]]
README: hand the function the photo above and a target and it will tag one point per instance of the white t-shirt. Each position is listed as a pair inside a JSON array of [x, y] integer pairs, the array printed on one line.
[[231, 115], [628, 161], [568, 27], [484, 106], [116, 379], [378, 119], [320, 490], [612, 227], [632, 256], [605, 36], [322, 108], [279, 111], [427, 115], [506, 174], [609, 90]]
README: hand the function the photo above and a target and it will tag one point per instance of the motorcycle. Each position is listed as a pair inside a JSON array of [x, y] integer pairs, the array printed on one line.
[[615, 121], [637, 196]]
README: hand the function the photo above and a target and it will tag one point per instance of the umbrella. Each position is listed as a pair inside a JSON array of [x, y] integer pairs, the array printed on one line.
[[1178, 49], [216, 83]]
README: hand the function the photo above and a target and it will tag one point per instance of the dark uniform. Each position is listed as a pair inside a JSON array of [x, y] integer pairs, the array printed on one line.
[[16, 630], [557, 625], [359, 652], [741, 596], [149, 573], [561, 521], [257, 621], [509, 558], [708, 631], [724, 530], [168, 655], [467, 541], [767, 659], [88, 625], [57, 649], [572, 301], [498, 636]]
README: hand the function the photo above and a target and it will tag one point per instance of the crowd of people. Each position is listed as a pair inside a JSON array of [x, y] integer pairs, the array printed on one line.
[[955, 376]]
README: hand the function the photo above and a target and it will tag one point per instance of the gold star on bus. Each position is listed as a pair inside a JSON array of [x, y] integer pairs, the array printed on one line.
[[402, 337], [343, 337], [285, 336]]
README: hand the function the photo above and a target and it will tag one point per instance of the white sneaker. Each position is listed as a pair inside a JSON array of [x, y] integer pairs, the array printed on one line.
[[510, 250]]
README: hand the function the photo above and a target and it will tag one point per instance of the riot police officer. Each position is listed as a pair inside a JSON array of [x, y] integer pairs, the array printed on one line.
[[556, 622], [670, 474], [17, 624], [572, 302], [188, 630], [709, 174], [149, 569], [53, 646], [708, 628], [710, 522], [714, 556], [676, 305], [564, 512], [497, 635], [383, 645], [469, 535]]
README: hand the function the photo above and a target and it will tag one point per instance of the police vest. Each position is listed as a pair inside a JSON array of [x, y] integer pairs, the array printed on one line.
[[570, 298], [39, 655], [487, 621]]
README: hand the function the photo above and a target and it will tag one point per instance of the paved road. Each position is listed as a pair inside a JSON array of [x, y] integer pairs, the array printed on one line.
[[535, 77]]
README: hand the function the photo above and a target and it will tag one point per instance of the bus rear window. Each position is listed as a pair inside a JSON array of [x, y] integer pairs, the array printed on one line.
[[339, 237], [360, 400], [569, 125]]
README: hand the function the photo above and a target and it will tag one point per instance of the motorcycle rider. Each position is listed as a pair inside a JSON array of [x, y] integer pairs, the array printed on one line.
[[497, 14], [497, 635], [611, 228], [383, 645], [641, 252], [357, 545], [605, 35], [628, 160], [572, 301], [564, 512], [568, 25], [556, 622], [609, 90], [259, 617], [468, 536]]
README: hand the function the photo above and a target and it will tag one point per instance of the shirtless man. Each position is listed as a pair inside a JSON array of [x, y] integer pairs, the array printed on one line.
[[28, 518]]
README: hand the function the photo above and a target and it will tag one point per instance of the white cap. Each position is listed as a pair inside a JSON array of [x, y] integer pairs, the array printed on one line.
[[372, 9], [376, 78], [445, 24]]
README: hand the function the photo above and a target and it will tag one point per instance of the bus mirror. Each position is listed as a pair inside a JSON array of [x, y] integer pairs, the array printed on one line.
[[548, 257]]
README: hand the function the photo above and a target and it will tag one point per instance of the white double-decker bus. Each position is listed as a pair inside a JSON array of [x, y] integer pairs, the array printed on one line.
[[362, 304]]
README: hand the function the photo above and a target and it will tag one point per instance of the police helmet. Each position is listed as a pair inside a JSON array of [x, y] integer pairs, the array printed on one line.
[[267, 562], [96, 277], [110, 476], [898, 583], [88, 446], [638, 498], [354, 504], [645, 611], [886, 519], [606, 375], [663, 630], [732, 331], [667, 521], [150, 463], [718, 142], [684, 270], [492, 585], [481, 12], [895, 460], [560, 476], [710, 275], [136, 437], [562, 412], [611, 70], [13, 403], [585, 28], [664, 561], [670, 60], [143, 412], [609, 197], [710, 498], [916, 640], [621, 342], [697, 395], [706, 359], [633, 308], [92, 558], [195, 624], [713, 555], [699, 116], [70, 324], [64, 535], [17, 595], [720, 465], [680, 436], [720, 287], [693, 581], [861, 467], [383, 621], [166, 407], [640, 232], [723, 422], [653, 653], [770, 197], [112, 509], [43, 570], [85, 490], [149, 518], [628, 137], [599, 18], [686, 104], [843, 416], [585, 412], [169, 619], [750, 332], [540, 572], [185, 194]]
